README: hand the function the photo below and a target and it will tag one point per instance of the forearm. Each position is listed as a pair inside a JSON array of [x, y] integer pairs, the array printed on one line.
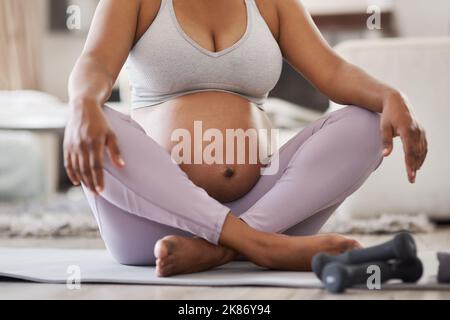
[[90, 82], [350, 85]]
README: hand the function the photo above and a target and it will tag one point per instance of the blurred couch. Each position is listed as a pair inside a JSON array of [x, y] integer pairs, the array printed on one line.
[[420, 68], [31, 126]]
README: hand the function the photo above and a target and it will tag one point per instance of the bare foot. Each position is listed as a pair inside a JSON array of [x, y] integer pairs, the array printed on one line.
[[180, 255], [295, 253]]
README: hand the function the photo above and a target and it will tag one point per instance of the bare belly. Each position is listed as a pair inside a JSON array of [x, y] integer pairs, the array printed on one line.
[[219, 139]]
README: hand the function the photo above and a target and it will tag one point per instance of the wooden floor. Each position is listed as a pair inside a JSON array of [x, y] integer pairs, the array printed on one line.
[[439, 240]]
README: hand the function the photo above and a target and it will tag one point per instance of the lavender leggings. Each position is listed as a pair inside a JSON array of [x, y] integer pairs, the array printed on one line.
[[152, 197]]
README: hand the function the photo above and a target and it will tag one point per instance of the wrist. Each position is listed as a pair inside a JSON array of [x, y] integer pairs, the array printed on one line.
[[391, 95], [83, 103], [394, 98]]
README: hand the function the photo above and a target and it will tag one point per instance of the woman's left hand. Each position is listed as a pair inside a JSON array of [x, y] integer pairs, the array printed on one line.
[[397, 120]]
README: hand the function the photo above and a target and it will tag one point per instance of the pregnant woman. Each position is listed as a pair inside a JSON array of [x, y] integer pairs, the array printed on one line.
[[212, 63]]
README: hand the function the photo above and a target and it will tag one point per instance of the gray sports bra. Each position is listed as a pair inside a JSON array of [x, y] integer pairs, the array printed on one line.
[[166, 63]]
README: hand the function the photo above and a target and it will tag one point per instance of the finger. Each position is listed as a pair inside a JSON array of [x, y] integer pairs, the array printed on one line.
[[69, 169], [424, 144], [113, 150], [85, 170], [387, 136], [96, 165], [416, 151], [75, 166], [418, 148], [409, 156], [420, 154]]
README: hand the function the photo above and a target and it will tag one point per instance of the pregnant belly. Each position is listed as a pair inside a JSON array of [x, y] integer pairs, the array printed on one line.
[[219, 139]]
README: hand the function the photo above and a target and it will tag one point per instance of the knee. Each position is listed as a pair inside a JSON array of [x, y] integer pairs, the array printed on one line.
[[114, 117], [129, 250], [119, 120], [364, 133], [364, 119], [365, 126], [128, 238]]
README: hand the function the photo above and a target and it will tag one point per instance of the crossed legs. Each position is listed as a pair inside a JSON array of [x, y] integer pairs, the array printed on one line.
[[152, 198]]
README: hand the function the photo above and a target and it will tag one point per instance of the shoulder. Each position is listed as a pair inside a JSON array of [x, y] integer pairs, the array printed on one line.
[[150, 6], [148, 10], [276, 5], [288, 7], [269, 12], [275, 12]]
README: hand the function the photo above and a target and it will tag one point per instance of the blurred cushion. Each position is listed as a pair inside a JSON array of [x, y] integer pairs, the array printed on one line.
[[22, 167], [31, 123], [421, 69]]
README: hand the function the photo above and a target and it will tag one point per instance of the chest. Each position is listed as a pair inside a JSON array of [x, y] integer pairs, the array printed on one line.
[[213, 25]]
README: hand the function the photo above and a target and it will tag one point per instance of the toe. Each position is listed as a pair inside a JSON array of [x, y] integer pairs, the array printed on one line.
[[356, 245], [163, 247], [164, 270], [159, 263]]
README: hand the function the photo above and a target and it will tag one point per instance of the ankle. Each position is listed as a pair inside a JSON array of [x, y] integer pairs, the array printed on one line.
[[251, 243], [261, 247], [228, 255]]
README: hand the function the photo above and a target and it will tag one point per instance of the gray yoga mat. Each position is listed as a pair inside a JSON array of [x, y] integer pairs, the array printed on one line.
[[444, 267], [96, 266]]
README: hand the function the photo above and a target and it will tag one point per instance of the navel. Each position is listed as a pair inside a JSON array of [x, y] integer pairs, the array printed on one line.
[[229, 172]]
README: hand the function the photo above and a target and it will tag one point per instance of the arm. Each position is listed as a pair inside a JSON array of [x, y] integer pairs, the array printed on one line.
[[306, 50], [87, 133]]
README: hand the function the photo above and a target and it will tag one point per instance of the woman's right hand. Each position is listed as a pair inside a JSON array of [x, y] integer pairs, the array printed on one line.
[[86, 136]]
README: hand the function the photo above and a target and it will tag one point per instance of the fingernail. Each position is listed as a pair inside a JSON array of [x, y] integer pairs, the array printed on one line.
[[99, 189], [121, 162]]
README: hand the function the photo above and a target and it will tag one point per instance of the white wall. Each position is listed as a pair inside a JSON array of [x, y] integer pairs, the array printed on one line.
[[57, 54], [59, 51], [422, 18]]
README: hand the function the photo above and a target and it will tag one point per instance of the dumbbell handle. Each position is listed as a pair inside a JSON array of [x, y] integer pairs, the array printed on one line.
[[401, 247], [382, 252], [338, 277]]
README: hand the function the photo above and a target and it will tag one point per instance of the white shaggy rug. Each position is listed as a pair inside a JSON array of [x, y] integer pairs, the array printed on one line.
[[68, 214], [63, 215]]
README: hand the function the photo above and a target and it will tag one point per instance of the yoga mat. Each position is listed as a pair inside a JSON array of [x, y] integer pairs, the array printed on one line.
[[444, 267], [97, 266]]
